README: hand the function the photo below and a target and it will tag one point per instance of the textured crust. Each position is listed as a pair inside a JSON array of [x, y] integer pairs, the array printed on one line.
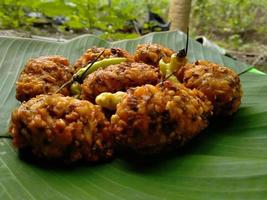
[[118, 78], [43, 75], [62, 128], [220, 84], [153, 118], [92, 53], [152, 53]]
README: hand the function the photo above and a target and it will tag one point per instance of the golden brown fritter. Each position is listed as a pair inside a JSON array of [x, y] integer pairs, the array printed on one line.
[[220, 84], [59, 60], [92, 53], [62, 128], [154, 118], [152, 53], [43, 75], [118, 78]]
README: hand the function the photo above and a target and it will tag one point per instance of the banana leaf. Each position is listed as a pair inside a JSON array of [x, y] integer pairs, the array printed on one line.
[[227, 161]]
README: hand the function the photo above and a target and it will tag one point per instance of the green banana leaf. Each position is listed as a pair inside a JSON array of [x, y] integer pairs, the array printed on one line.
[[227, 161]]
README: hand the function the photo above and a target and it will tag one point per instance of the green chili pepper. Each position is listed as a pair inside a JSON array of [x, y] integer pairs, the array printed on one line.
[[109, 100], [83, 72], [75, 89], [163, 67], [168, 69], [79, 76]]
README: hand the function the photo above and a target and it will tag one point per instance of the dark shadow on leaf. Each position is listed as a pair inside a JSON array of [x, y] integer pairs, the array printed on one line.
[[55, 164], [141, 163]]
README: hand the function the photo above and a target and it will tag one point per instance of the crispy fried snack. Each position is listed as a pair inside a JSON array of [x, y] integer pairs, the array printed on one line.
[[43, 75], [118, 78], [152, 53], [62, 128], [151, 119], [220, 84], [92, 53]]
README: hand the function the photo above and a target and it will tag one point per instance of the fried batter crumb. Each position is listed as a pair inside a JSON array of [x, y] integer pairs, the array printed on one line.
[[62, 128], [118, 78], [220, 84], [43, 75], [152, 53], [154, 118]]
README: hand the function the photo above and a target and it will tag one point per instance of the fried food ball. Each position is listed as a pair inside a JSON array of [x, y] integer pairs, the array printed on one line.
[[55, 127], [151, 119], [118, 78], [220, 84], [43, 75], [152, 53], [92, 53]]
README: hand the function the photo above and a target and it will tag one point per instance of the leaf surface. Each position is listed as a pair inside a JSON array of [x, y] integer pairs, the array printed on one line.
[[227, 161]]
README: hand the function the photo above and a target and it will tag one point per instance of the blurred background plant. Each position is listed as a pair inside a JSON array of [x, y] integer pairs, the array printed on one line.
[[237, 25], [109, 19], [238, 21]]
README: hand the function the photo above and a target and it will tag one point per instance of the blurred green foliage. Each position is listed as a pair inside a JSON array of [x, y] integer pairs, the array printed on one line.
[[111, 18], [235, 20]]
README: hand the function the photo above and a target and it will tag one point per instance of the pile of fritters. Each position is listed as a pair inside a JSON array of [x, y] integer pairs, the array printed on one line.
[[154, 115]]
